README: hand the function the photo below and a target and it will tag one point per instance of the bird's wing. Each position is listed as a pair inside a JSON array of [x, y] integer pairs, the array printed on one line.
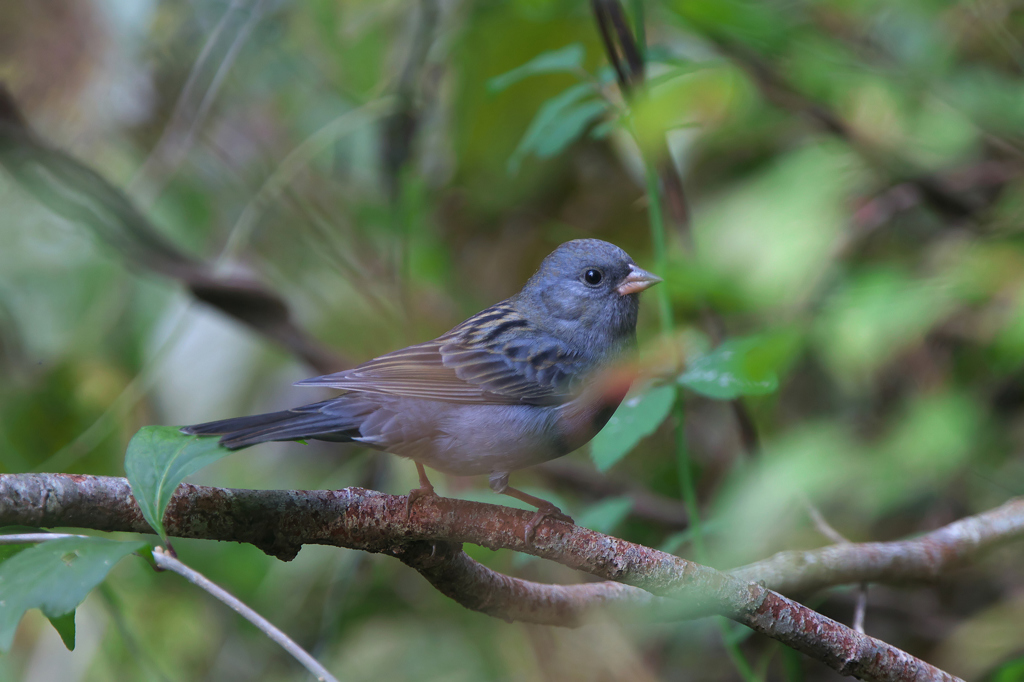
[[494, 357]]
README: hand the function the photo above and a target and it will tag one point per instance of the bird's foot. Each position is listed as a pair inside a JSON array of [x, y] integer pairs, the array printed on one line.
[[415, 494], [545, 511]]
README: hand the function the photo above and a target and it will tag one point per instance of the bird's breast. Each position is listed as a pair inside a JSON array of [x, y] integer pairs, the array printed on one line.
[[580, 419]]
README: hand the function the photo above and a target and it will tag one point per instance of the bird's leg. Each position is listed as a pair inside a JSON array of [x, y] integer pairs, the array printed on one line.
[[425, 490], [545, 510]]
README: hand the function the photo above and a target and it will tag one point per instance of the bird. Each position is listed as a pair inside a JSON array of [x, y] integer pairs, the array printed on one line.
[[527, 380]]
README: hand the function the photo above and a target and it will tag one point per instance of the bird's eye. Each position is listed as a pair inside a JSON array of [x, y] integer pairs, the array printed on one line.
[[592, 277]]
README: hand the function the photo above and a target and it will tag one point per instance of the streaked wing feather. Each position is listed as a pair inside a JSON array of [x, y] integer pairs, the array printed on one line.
[[469, 364]]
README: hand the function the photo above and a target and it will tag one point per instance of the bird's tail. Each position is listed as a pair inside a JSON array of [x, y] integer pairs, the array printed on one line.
[[319, 421]]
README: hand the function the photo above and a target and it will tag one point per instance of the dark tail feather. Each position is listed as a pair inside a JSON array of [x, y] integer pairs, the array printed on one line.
[[300, 423]]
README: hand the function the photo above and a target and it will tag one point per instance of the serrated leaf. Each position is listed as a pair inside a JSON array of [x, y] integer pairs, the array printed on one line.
[[735, 368], [65, 627], [606, 515], [637, 417], [159, 458], [566, 59], [55, 577]]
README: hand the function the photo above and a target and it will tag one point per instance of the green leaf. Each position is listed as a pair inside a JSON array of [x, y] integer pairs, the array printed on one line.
[[736, 367], [158, 459], [65, 627], [636, 418], [566, 59], [568, 127], [558, 122], [605, 128], [606, 515], [661, 54], [1010, 671], [7, 551], [54, 576]]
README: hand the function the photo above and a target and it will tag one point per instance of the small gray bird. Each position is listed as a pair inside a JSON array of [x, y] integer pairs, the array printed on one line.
[[525, 381]]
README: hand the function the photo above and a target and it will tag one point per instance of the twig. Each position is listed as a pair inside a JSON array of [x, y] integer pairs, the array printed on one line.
[[861, 608], [826, 529], [279, 522], [169, 563], [823, 526]]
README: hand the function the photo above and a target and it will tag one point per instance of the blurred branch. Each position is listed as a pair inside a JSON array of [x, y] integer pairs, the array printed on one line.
[[626, 57], [280, 521], [780, 92], [401, 125], [981, 181], [79, 194], [923, 558]]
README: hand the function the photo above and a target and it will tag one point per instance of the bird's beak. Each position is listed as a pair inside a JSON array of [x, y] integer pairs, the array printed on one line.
[[636, 281]]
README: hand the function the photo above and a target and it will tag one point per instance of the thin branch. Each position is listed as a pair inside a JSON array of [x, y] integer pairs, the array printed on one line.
[[920, 559], [279, 522], [861, 608], [169, 563], [823, 526], [826, 529]]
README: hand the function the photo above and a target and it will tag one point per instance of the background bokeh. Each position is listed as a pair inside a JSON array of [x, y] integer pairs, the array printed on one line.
[[854, 172]]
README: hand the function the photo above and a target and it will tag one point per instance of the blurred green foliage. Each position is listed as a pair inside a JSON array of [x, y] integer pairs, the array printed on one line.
[[853, 171]]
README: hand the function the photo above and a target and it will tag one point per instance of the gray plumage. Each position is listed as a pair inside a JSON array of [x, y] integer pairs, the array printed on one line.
[[499, 392]]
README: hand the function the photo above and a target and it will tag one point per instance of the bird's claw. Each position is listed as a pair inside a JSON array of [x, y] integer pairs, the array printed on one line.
[[415, 494], [550, 512]]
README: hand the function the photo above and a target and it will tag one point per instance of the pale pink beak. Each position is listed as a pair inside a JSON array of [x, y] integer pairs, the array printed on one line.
[[636, 281]]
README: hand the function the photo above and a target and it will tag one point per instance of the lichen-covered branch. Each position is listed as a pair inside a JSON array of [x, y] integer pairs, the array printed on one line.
[[281, 521]]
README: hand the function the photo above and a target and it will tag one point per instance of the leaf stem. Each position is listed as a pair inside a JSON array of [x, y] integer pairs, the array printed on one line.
[[657, 222]]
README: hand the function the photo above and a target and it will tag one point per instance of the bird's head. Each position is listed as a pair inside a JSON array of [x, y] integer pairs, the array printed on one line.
[[585, 293]]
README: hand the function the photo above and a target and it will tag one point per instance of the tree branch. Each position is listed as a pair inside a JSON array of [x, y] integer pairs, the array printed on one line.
[[280, 521]]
